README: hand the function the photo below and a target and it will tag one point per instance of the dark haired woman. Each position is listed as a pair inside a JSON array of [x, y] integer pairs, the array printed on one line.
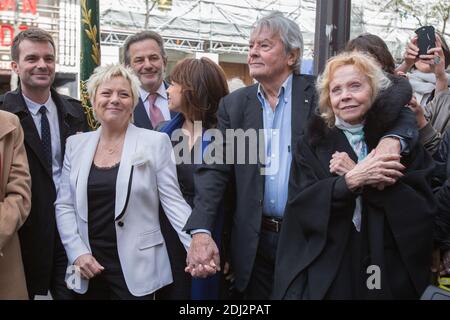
[[197, 85]]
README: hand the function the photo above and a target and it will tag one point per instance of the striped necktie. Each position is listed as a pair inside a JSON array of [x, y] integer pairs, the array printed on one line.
[[156, 115]]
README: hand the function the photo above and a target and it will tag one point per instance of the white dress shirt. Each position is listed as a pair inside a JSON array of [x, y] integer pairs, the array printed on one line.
[[52, 115], [160, 102]]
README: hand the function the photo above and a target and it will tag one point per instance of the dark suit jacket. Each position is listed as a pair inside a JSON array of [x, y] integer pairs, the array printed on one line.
[[39, 236], [141, 119], [242, 110]]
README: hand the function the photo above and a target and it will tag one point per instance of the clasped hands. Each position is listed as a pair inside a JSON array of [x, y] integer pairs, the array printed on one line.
[[203, 258], [381, 167]]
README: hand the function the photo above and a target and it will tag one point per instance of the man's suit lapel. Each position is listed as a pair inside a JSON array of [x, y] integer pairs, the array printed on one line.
[[302, 96], [253, 111], [141, 118], [253, 115], [15, 103]]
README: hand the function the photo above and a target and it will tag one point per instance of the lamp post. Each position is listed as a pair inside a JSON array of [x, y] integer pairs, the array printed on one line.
[[332, 30]]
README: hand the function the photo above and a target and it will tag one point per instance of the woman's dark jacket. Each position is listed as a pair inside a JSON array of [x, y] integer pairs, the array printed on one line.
[[318, 232], [442, 192]]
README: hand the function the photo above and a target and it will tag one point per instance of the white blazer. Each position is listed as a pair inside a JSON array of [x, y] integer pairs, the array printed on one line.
[[147, 175]]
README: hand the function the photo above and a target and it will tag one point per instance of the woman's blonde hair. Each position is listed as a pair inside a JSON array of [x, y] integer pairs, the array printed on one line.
[[364, 64], [105, 73]]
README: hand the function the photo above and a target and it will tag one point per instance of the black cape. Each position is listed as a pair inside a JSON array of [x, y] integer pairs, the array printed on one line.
[[321, 256]]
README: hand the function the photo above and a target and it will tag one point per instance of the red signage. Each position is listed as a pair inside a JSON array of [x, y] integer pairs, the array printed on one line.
[[7, 34], [7, 30], [27, 6]]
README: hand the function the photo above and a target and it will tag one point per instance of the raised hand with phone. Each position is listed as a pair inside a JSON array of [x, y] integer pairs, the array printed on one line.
[[428, 56], [421, 48]]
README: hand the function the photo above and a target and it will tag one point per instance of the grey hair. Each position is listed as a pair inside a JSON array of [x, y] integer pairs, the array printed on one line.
[[141, 36], [105, 73], [289, 32]]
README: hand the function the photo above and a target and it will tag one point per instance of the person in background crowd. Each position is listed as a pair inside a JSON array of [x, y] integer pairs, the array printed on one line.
[[431, 120], [47, 119], [15, 204], [375, 47], [442, 193], [112, 182], [434, 117], [422, 78]]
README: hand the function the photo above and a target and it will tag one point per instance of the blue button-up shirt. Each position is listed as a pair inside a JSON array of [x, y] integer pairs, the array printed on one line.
[[277, 134]]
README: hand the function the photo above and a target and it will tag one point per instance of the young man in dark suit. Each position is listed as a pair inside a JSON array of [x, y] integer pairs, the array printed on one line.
[[280, 103], [47, 119]]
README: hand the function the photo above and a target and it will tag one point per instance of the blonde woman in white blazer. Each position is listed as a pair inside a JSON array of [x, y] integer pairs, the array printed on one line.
[[107, 208]]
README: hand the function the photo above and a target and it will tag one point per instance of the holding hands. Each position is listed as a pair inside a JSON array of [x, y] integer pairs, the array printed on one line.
[[203, 256]]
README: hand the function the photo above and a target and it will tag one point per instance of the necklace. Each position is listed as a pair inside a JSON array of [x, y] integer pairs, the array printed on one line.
[[113, 149], [110, 151]]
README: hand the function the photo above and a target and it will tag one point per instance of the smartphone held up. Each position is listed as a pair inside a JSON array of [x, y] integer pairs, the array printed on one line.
[[426, 39]]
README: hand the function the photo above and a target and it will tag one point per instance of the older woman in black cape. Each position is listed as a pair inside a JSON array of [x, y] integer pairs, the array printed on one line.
[[358, 225]]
